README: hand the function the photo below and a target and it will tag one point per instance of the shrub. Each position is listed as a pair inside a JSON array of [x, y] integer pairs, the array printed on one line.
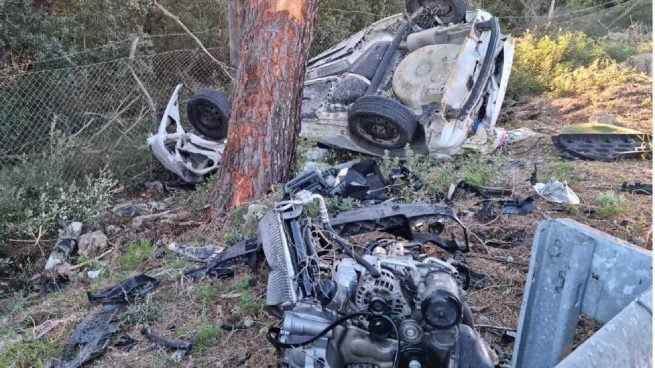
[[610, 205], [600, 74], [538, 60]]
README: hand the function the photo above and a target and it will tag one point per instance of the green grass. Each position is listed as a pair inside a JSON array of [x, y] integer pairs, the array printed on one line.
[[610, 204], [207, 293], [563, 171], [206, 335], [30, 354], [147, 312], [250, 304], [137, 253]]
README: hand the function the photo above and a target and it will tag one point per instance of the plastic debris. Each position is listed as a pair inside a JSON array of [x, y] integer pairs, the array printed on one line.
[[637, 188], [520, 207], [603, 142], [65, 247], [556, 192], [90, 339], [126, 291], [198, 254]]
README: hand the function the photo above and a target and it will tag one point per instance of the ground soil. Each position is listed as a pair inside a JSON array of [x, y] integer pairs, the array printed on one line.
[[500, 251]]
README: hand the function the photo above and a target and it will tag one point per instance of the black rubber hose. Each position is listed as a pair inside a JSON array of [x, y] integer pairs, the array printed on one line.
[[348, 249]]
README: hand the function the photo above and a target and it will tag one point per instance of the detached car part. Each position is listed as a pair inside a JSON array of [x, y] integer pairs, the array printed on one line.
[[603, 142], [433, 78], [126, 291], [187, 155], [387, 306]]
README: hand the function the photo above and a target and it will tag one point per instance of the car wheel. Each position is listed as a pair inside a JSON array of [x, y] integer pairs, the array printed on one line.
[[381, 121], [448, 11], [209, 113]]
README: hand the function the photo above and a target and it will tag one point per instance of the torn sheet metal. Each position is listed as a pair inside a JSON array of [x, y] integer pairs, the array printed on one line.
[[557, 192], [187, 155], [246, 252], [603, 142], [90, 338], [127, 291], [198, 254], [398, 219]]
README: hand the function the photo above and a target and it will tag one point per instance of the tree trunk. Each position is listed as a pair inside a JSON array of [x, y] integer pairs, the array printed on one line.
[[236, 16], [265, 118]]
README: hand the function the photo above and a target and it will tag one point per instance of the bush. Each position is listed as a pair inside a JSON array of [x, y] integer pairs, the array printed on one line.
[[539, 60], [38, 191], [602, 73], [610, 205]]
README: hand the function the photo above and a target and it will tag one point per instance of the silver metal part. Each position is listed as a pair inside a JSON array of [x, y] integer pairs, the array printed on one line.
[[187, 155], [575, 269], [281, 287]]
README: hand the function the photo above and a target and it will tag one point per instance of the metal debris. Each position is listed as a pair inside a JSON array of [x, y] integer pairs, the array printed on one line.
[[198, 254]]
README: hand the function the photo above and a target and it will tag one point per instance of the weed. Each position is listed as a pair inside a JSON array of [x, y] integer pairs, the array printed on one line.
[[147, 312], [249, 304], [207, 293], [136, 253], [29, 354], [563, 171], [243, 283], [610, 204], [206, 335]]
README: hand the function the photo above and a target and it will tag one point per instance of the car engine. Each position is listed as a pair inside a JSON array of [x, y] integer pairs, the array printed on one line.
[[384, 304]]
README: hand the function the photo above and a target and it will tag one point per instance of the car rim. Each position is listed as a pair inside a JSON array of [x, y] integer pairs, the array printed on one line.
[[208, 116], [439, 8], [378, 130]]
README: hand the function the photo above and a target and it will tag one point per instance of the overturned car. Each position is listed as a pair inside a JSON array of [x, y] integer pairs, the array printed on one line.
[[433, 77]]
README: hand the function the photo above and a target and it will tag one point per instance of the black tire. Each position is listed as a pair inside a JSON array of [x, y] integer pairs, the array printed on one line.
[[209, 113], [448, 11], [381, 122]]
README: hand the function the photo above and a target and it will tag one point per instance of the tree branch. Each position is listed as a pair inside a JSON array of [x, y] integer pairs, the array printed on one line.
[[142, 87], [177, 20]]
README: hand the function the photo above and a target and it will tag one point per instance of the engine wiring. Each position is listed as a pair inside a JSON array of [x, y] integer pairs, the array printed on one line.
[[274, 332]]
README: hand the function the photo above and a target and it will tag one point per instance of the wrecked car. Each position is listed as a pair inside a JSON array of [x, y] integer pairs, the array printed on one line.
[[382, 304], [433, 77]]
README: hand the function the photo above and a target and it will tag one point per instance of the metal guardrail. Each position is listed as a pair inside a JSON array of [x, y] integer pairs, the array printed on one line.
[[575, 270]]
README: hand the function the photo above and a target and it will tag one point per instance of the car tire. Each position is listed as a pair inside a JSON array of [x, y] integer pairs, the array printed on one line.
[[449, 11], [209, 113], [381, 122]]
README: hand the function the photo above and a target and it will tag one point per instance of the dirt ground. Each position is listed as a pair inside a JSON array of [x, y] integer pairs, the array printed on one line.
[[226, 317]]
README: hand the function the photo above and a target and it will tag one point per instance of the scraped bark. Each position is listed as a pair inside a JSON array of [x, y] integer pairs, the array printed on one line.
[[265, 117]]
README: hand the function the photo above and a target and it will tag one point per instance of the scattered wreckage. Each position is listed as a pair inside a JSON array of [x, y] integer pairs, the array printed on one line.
[[427, 78]]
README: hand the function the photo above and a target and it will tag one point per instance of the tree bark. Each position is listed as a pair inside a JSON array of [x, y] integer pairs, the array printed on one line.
[[265, 117], [236, 16]]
